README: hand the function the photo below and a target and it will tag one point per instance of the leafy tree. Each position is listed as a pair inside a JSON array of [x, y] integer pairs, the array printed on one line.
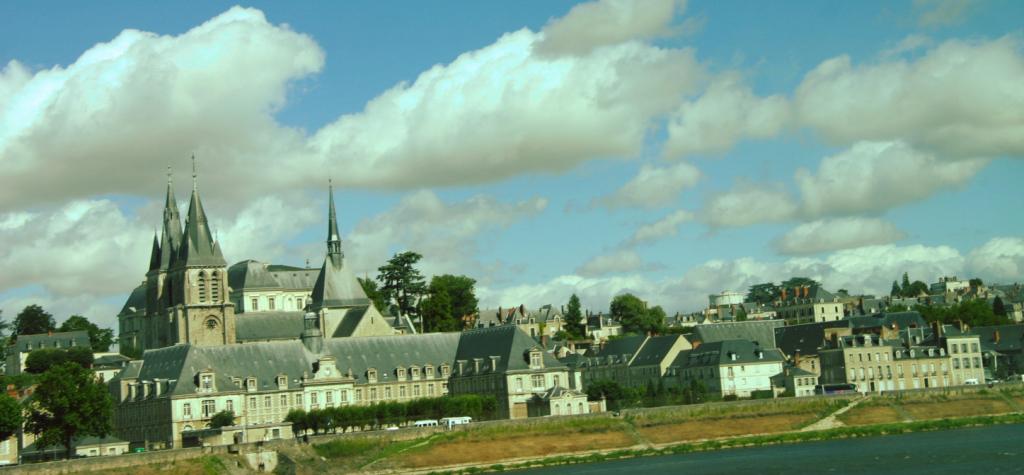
[[614, 394], [461, 290], [574, 324], [10, 416], [763, 294], [402, 282], [897, 308], [297, 417], [976, 283], [436, 312], [905, 285], [741, 314], [68, 403], [998, 307], [373, 293], [843, 292], [41, 360], [974, 313], [99, 338], [917, 288], [34, 320], [896, 291], [794, 282], [634, 316], [223, 418]]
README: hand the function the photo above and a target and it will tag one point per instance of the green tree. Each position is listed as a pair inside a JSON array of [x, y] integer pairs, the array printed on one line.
[[976, 283], [41, 360], [763, 294], [634, 315], [794, 282], [574, 324], [68, 403], [974, 313], [373, 293], [436, 312], [998, 307], [741, 314], [10, 416], [895, 292], [402, 282], [905, 285], [223, 418], [99, 338], [461, 290], [917, 288], [614, 394], [34, 320], [297, 417]]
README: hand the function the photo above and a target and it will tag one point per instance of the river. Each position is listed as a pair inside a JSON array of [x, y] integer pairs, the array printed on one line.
[[993, 449]]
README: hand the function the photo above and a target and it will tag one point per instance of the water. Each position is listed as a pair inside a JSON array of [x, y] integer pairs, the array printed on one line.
[[993, 449]]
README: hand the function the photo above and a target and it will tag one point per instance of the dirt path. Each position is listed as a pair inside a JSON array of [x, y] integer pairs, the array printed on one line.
[[830, 421]]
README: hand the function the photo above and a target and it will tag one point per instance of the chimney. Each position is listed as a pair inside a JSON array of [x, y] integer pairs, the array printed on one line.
[[995, 336], [544, 341], [796, 358], [783, 293], [501, 318], [522, 310]]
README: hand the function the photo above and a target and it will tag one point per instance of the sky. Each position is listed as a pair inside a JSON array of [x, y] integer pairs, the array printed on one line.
[[665, 148]]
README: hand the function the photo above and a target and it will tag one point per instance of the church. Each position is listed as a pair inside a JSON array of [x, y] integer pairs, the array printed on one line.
[[190, 295]]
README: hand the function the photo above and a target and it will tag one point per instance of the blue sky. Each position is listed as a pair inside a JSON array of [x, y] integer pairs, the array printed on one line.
[[664, 148]]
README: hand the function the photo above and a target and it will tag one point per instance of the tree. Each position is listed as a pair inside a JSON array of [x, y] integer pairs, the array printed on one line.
[[974, 313], [41, 360], [10, 416], [763, 294], [67, 404], [976, 283], [795, 282], [895, 292], [99, 338], [297, 417], [34, 320], [998, 307], [223, 418], [634, 316], [402, 282], [574, 324], [436, 313], [461, 290], [373, 293], [741, 314], [917, 288], [905, 286]]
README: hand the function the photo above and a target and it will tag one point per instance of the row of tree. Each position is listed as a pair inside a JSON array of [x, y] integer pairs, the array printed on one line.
[[769, 292], [618, 397], [33, 320], [345, 418], [907, 288]]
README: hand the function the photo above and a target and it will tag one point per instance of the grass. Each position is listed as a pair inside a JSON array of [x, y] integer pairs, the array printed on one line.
[[706, 429], [866, 414], [956, 408]]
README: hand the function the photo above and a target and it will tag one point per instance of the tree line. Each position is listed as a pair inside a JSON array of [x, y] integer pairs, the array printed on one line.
[[375, 416]]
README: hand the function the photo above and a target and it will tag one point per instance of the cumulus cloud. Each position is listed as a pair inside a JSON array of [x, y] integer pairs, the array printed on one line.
[[132, 105], [446, 234], [608, 22], [726, 112], [619, 261], [749, 204], [836, 234], [960, 99], [654, 186], [935, 13], [875, 176], [662, 228], [998, 260]]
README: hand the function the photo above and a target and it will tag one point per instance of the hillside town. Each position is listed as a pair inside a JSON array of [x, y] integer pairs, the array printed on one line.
[[212, 354]]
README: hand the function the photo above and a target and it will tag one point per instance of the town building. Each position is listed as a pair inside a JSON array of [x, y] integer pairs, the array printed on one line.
[[809, 304], [736, 368], [631, 361], [18, 352]]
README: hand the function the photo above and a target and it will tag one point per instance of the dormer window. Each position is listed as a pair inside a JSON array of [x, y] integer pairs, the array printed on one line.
[[415, 372], [282, 382], [250, 384], [536, 360], [371, 375], [401, 373], [428, 371], [206, 382], [445, 371]]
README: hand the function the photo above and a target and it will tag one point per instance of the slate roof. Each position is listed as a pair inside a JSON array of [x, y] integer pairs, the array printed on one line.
[[508, 342], [336, 286], [719, 353], [352, 319], [25, 343], [902, 319], [251, 274], [655, 349], [136, 300], [627, 345], [110, 361], [258, 326], [198, 247], [804, 338], [1011, 338], [761, 331], [386, 353]]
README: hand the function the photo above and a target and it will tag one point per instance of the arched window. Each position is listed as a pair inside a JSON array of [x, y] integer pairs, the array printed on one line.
[[211, 323], [202, 286], [215, 287]]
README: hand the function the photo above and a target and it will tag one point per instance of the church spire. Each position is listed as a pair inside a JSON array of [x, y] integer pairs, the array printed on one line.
[[333, 237], [154, 255], [171, 240], [198, 246]]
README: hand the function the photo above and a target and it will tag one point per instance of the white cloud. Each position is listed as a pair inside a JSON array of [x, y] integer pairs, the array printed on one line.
[[262, 229], [128, 107], [619, 261], [654, 186], [935, 13], [875, 176], [906, 45], [446, 234], [662, 228], [998, 260], [595, 293], [608, 22], [747, 205], [726, 112], [960, 99], [836, 234]]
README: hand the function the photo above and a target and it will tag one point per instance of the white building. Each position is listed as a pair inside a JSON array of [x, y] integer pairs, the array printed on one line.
[[730, 367]]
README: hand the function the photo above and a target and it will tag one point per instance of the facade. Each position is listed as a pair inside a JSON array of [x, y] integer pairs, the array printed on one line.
[[795, 381], [632, 361], [729, 368], [25, 344], [809, 304], [260, 287]]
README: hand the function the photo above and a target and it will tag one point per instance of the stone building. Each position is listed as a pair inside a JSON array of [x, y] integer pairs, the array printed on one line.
[[729, 367]]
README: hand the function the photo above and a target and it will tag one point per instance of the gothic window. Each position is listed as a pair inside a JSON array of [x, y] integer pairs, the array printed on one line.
[[215, 287], [202, 287], [211, 323]]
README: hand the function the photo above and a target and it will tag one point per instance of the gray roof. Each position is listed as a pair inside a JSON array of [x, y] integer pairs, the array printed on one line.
[[627, 345], [902, 319], [171, 239], [351, 322], [760, 331], [387, 353], [198, 247], [1010, 338], [720, 352], [251, 274], [655, 349], [336, 286], [805, 338], [136, 300], [261, 326], [508, 342], [25, 343], [110, 361]]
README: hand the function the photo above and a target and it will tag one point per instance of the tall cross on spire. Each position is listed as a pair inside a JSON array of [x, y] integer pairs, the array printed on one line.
[[195, 177]]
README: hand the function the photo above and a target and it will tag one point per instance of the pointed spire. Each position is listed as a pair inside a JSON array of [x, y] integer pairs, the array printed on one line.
[[171, 240], [198, 246], [333, 237], [195, 176], [154, 256]]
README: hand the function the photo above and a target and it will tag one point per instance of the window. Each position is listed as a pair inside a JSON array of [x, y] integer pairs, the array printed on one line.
[[731, 372], [963, 347], [270, 303], [187, 409], [401, 373], [977, 362], [445, 371], [860, 357], [282, 382], [519, 385], [266, 402], [250, 384], [373, 394], [202, 287], [415, 373], [974, 347], [416, 390], [254, 304], [967, 362], [359, 395], [430, 389], [538, 381], [913, 370], [215, 287], [252, 403], [230, 405], [313, 399], [371, 375], [401, 391], [387, 392], [209, 407], [284, 401], [554, 380], [535, 359], [206, 382], [428, 371], [853, 374], [298, 400]]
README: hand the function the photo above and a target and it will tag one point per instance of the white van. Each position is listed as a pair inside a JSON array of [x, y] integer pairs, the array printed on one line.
[[425, 423], [449, 422], [971, 382]]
